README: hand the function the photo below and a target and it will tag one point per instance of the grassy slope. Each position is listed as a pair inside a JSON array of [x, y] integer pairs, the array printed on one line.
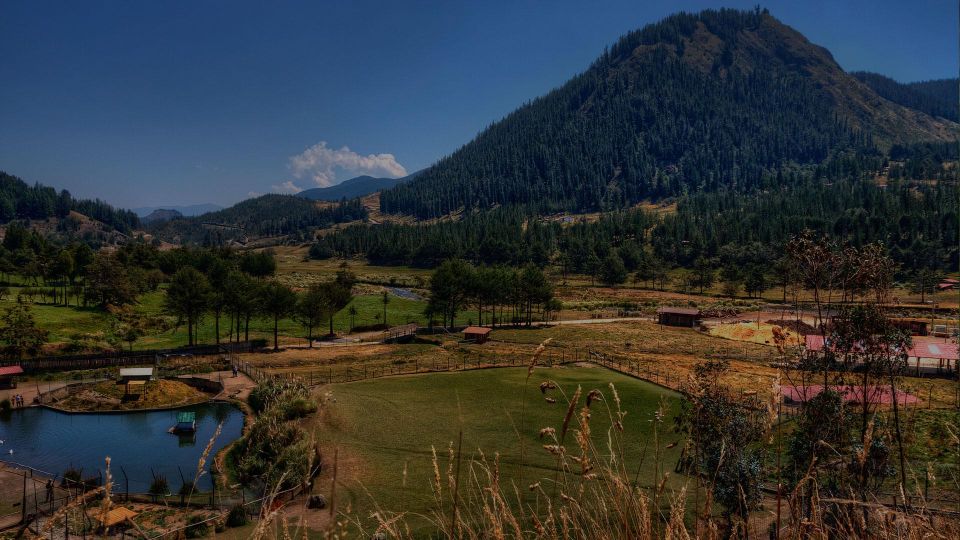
[[384, 425]]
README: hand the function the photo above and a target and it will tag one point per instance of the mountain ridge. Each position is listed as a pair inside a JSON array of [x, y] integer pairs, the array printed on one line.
[[718, 99]]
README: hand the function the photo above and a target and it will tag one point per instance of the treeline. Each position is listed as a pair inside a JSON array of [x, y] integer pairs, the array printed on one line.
[[268, 215], [231, 288], [919, 224], [936, 98], [18, 200], [646, 125], [499, 294]]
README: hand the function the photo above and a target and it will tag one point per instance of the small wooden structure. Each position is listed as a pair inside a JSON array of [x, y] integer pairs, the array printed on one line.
[[186, 422], [678, 316], [916, 327], [114, 517], [8, 376], [135, 379], [476, 334]]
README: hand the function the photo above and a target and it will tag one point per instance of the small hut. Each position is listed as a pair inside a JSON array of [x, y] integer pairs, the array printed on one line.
[[476, 334], [678, 316], [8, 376], [135, 379]]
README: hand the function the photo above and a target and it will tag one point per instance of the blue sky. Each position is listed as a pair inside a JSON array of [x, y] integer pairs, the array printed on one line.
[[161, 103]]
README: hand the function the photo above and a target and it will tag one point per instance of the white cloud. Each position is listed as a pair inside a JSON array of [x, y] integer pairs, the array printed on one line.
[[321, 163], [287, 187]]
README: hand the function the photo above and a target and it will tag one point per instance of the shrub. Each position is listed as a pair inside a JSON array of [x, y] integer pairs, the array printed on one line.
[[159, 486], [4, 404], [197, 527], [300, 408], [237, 516]]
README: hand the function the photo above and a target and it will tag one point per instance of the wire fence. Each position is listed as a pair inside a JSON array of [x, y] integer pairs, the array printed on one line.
[[42, 496]]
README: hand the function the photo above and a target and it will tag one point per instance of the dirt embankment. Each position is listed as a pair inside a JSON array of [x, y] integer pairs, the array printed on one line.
[[114, 396]]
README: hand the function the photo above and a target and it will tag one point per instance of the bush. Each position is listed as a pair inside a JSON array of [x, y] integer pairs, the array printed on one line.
[[159, 486], [4, 404], [237, 516], [300, 408], [197, 527]]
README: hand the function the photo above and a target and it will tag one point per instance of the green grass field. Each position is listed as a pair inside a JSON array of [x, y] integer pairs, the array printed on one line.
[[385, 425]]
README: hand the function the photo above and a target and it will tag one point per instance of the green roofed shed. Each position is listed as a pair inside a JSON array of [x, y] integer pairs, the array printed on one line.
[[186, 422]]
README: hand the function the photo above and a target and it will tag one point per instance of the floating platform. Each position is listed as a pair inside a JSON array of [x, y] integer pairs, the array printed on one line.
[[186, 423]]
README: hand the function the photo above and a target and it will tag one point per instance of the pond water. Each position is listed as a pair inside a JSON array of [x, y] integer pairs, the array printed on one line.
[[53, 441]]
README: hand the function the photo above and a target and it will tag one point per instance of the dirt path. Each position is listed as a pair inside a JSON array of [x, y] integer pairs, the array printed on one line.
[[30, 389], [238, 387]]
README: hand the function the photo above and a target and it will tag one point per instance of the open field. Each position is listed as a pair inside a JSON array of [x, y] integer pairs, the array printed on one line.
[[385, 430]]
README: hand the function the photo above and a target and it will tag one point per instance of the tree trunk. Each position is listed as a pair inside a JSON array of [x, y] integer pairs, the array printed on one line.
[[310, 336], [276, 322], [216, 325]]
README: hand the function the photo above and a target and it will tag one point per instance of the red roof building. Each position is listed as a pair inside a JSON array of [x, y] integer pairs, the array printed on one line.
[[477, 334], [8, 376]]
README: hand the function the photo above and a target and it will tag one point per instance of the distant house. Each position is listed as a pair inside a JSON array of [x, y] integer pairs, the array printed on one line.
[[678, 316], [8, 376], [476, 334], [946, 285]]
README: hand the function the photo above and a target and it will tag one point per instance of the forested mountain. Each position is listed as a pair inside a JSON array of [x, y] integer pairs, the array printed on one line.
[[348, 189], [18, 200], [936, 98], [697, 102], [267, 215]]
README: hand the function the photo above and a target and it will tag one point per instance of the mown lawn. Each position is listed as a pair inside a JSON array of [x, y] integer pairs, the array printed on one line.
[[384, 426]]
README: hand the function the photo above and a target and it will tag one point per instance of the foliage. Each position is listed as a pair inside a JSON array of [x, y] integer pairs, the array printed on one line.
[[188, 298], [267, 215], [19, 332], [237, 517], [723, 435], [936, 98], [197, 526], [18, 200]]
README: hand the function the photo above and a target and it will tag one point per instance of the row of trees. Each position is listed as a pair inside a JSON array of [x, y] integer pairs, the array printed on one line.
[[225, 292], [499, 294]]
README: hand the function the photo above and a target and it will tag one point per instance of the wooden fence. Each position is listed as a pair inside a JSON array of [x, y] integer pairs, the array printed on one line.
[[123, 358]]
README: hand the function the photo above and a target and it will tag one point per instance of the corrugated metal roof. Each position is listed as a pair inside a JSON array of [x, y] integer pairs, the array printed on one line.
[[476, 330], [136, 372], [6, 371], [678, 310]]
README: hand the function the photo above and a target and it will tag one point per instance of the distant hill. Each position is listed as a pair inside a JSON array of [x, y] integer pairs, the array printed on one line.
[[267, 215], [936, 98], [187, 210], [160, 215], [354, 187], [694, 103], [19, 200]]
